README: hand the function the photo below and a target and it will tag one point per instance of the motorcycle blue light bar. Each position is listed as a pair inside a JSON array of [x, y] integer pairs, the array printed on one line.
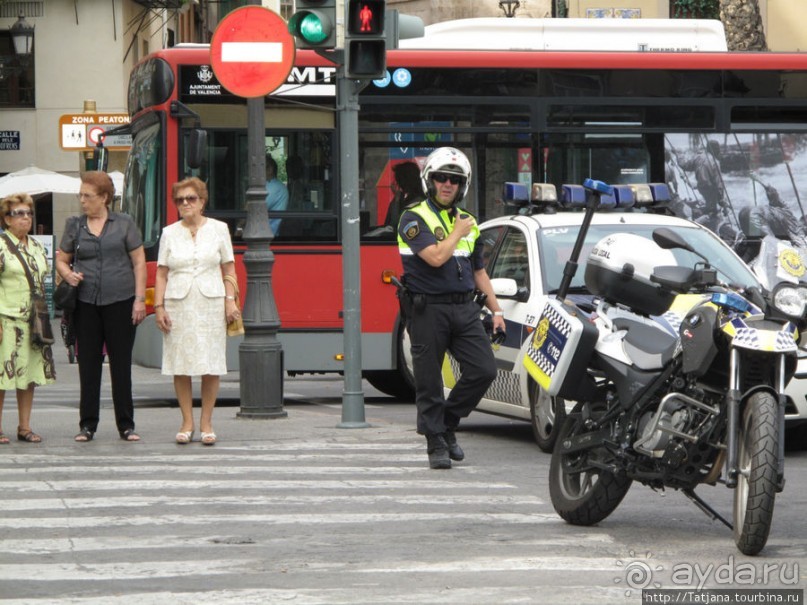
[[598, 186], [731, 301]]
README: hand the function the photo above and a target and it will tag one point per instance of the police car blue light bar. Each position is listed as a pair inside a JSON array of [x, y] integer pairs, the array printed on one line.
[[516, 193], [660, 192], [573, 196]]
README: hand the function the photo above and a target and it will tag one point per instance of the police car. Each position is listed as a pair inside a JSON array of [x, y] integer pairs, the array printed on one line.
[[525, 254]]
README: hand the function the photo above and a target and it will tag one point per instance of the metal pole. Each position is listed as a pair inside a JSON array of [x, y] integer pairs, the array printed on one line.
[[348, 107], [260, 354]]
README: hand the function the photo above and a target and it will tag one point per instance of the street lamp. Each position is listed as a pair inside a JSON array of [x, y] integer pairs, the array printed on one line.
[[509, 7], [22, 35]]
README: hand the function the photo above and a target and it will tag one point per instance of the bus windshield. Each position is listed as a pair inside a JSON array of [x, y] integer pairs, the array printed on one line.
[[144, 179], [300, 197]]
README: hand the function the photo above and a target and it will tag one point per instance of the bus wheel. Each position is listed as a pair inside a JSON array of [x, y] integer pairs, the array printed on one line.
[[399, 383]]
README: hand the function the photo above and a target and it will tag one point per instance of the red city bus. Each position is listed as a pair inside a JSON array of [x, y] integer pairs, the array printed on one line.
[[531, 116]]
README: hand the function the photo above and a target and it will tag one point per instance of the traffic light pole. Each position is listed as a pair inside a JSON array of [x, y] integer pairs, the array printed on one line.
[[347, 99]]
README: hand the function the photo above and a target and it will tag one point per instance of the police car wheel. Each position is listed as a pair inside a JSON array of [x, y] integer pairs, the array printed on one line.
[[546, 416]]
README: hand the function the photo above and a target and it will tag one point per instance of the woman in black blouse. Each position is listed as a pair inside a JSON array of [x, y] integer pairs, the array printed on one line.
[[102, 253]]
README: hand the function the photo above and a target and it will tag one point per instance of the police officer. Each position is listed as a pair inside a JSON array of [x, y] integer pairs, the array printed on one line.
[[442, 266]]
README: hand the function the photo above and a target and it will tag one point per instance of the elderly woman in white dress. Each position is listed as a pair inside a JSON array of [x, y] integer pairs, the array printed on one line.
[[193, 303]]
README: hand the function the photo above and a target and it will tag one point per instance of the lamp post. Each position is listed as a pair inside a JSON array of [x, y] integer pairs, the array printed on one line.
[[22, 35], [509, 7]]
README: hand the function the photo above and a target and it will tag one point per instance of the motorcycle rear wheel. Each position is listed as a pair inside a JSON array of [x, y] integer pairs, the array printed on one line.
[[582, 494], [755, 494]]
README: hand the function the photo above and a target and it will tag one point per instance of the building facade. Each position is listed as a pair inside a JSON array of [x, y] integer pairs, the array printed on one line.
[[83, 50]]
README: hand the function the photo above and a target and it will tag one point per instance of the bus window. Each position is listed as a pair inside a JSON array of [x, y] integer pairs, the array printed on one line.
[[304, 161], [143, 182]]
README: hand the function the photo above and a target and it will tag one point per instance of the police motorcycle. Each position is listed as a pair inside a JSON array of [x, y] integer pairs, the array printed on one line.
[[704, 405]]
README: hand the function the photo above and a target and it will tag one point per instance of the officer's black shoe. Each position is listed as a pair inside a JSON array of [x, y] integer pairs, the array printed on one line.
[[437, 448], [454, 450]]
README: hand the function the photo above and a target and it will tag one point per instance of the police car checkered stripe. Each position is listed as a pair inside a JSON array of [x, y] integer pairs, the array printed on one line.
[[504, 388]]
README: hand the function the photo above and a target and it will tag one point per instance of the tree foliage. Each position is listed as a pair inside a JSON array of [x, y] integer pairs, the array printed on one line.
[[741, 19]]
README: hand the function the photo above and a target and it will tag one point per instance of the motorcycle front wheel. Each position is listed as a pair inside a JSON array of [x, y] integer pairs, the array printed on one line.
[[581, 492], [755, 493]]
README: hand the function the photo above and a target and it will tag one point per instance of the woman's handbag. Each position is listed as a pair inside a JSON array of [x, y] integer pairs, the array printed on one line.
[[236, 326], [65, 296], [41, 330]]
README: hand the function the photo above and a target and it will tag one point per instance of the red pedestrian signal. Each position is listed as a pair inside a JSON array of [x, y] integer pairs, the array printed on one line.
[[365, 41]]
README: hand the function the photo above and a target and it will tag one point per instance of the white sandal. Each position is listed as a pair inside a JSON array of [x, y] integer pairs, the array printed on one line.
[[184, 437], [208, 438]]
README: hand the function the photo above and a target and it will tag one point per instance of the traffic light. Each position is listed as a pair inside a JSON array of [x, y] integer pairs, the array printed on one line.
[[365, 43], [314, 24]]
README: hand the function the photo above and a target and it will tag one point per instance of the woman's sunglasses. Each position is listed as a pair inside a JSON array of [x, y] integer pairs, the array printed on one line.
[[440, 177]]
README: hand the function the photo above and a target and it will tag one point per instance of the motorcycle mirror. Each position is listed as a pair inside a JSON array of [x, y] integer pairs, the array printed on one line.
[[668, 239]]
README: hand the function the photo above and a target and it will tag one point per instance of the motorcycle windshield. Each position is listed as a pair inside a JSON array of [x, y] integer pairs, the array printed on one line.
[[556, 245]]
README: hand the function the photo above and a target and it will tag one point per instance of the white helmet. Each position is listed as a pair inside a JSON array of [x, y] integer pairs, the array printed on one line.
[[449, 161]]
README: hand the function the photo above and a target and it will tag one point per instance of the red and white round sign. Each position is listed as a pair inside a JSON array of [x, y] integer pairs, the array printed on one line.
[[252, 51], [94, 134]]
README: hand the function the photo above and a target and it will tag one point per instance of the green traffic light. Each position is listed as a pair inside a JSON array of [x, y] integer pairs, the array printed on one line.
[[312, 30]]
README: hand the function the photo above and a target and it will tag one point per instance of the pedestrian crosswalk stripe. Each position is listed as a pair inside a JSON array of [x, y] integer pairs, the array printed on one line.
[[360, 518], [236, 482], [456, 498]]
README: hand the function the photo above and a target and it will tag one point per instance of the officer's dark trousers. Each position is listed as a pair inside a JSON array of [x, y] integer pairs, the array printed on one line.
[[456, 328], [96, 326]]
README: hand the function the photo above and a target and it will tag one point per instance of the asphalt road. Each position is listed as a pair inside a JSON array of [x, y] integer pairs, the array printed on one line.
[[298, 510]]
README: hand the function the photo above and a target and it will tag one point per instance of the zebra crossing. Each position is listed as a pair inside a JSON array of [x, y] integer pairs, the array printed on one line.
[[342, 521]]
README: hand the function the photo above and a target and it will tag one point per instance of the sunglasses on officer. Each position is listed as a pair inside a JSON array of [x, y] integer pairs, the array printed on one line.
[[442, 177]]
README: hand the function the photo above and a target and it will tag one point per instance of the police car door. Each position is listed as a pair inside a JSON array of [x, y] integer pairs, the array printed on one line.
[[512, 266]]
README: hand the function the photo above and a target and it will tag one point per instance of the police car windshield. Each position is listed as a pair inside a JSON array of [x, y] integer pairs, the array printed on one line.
[[555, 246]]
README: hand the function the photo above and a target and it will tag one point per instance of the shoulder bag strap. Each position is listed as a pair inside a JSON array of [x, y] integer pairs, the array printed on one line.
[[82, 223], [16, 251]]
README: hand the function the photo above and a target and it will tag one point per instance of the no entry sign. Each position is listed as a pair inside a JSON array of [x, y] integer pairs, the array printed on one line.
[[252, 51]]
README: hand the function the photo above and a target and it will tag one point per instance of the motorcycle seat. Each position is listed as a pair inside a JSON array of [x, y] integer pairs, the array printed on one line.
[[649, 348]]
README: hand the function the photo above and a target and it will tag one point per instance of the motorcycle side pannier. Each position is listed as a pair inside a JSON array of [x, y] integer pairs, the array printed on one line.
[[619, 268], [560, 350]]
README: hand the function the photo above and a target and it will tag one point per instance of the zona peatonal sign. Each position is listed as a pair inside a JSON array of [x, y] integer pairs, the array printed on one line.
[[252, 51]]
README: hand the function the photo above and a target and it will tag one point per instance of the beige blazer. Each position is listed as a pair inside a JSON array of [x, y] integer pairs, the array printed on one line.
[[195, 263]]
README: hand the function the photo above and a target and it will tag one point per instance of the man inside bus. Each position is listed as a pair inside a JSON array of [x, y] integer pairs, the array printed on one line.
[[277, 196], [443, 265]]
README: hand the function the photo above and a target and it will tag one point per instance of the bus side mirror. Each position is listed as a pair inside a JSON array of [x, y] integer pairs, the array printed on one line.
[[197, 148]]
